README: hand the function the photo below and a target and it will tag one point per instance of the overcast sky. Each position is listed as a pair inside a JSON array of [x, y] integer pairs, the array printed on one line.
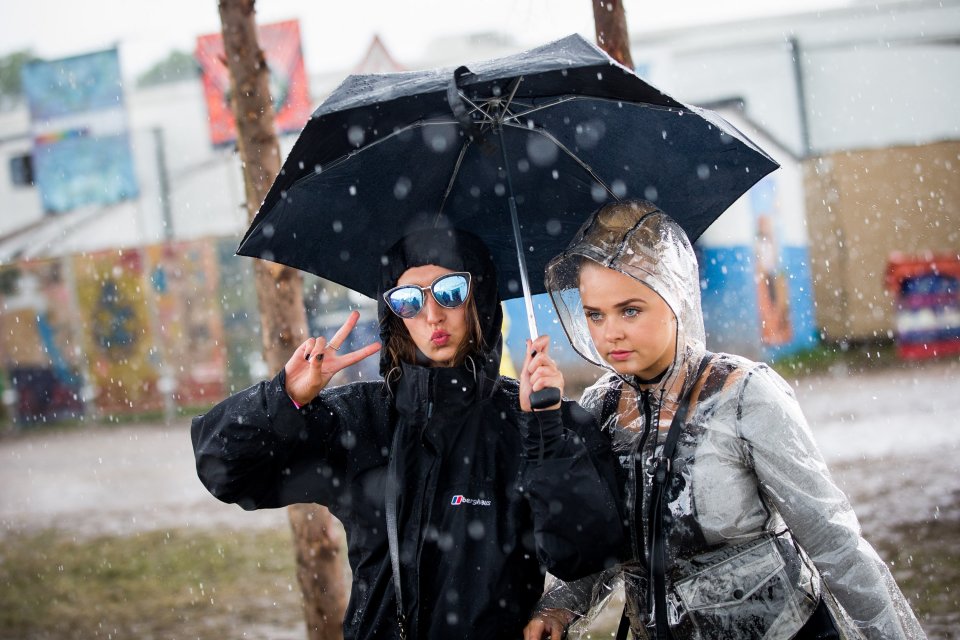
[[337, 33]]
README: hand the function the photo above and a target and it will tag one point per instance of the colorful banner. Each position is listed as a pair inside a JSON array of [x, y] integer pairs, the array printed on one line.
[[288, 80], [81, 147]]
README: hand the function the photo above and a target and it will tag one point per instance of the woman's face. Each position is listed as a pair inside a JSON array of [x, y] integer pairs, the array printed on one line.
[[436, 330], [632, 327]]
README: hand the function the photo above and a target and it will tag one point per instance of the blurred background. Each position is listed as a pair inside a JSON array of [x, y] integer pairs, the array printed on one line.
[[124, 311]]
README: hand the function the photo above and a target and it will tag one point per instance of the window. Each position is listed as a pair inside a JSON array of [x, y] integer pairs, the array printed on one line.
[[21, 170]]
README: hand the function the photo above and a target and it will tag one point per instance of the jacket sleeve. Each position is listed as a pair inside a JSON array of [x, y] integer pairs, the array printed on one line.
[[570, 481], [793, 476], [258, 450]]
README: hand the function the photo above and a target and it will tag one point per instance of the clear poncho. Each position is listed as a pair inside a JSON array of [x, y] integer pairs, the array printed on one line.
[[756, 531]]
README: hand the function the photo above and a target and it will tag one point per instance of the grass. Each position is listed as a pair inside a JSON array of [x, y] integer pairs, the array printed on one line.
[[174, 584], [849, 358]]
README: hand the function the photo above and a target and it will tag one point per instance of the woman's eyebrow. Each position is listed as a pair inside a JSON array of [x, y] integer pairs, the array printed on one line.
[[618, 305]]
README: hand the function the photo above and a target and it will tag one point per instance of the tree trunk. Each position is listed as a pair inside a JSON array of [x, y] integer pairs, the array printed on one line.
[[317, 535], [611, 27]]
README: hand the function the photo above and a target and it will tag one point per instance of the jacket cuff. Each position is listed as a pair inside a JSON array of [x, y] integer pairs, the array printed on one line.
[[542, 433], [288, 419]]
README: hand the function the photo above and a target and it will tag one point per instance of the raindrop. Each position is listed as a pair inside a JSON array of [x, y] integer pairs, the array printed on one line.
[[316, 169], [348, 440], [650, 193], [266, 255], [441, 137], [475, 530], [554, 227], [619, 188], [541, 151], [512, 286], [353, 189], [402, 188], [300, 165], [445, 542], [555, 174], [268, 231], [663, 134], [355, 135], [598, 193], [589, 134], [523, 165], [337, 226], [475, 191], [499, 189], [345, 255]]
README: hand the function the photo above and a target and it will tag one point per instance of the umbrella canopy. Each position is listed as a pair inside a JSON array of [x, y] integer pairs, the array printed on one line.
[[563, 127]]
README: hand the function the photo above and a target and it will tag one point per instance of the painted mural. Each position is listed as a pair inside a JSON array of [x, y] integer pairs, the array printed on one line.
[[773, 292], [39, 350], [115, 321], [190, 352]]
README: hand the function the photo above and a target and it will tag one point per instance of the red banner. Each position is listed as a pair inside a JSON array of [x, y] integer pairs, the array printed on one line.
[[289, 88]]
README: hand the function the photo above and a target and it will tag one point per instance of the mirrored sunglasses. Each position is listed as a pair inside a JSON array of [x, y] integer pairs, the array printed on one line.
[[448, 290]]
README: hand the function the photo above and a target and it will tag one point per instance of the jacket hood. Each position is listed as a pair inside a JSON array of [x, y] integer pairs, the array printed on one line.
[[640, 241], [452, 249]]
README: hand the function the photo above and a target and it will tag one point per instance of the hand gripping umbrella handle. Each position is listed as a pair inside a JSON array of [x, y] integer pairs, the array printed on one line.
[[546, 397]]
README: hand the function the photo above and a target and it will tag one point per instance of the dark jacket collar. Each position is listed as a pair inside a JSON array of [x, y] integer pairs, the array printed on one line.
[[423, 393]]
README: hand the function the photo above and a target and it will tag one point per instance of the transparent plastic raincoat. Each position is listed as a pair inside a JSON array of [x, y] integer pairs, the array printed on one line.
[[755, 531]]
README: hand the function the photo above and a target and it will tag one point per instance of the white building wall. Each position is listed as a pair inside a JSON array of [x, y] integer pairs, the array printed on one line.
[[904, 93]]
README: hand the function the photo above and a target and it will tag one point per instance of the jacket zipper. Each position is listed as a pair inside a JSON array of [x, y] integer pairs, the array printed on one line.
[[430, 492], [635, 489]]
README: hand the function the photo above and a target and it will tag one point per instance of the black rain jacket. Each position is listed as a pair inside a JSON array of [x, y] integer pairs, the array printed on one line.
[[473, 543]]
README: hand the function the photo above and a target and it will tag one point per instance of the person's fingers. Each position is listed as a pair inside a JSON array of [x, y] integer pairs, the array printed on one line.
[[534, 629], [304, 349], [529, 354], [556, 630], [341, 335], [542, 343], [542, 360], [354, 357], [316, 351]]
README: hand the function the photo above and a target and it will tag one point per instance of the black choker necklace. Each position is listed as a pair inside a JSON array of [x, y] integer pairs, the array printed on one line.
[[655, 379]]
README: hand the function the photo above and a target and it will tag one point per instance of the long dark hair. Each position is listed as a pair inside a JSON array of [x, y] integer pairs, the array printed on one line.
[[400, 347]]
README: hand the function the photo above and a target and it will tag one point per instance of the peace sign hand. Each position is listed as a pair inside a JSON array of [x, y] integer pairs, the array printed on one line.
[[315, 361]]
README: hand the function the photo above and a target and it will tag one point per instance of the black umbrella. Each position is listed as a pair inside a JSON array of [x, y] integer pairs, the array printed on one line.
[[517, 150]]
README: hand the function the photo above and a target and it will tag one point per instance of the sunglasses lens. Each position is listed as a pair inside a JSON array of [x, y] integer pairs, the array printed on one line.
[[406, 302], [451, 291]]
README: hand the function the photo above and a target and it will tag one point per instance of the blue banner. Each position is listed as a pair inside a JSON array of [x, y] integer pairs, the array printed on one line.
[[81, 146]]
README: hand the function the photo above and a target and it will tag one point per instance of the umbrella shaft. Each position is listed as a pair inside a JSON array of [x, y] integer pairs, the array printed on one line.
[[524, 282]]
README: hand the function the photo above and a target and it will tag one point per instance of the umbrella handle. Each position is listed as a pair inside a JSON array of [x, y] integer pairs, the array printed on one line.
[[546, 397]]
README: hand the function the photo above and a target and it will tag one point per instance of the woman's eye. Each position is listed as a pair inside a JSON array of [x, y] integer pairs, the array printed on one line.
[[594, 316], [631, 312]]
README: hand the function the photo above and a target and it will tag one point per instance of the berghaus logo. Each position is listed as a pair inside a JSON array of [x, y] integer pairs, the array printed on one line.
[[458, 500]]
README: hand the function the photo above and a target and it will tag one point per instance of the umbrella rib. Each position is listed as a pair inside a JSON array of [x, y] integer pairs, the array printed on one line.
[[543, 106], [419, 123], [575, 158], [476, 107], [453, 176]]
